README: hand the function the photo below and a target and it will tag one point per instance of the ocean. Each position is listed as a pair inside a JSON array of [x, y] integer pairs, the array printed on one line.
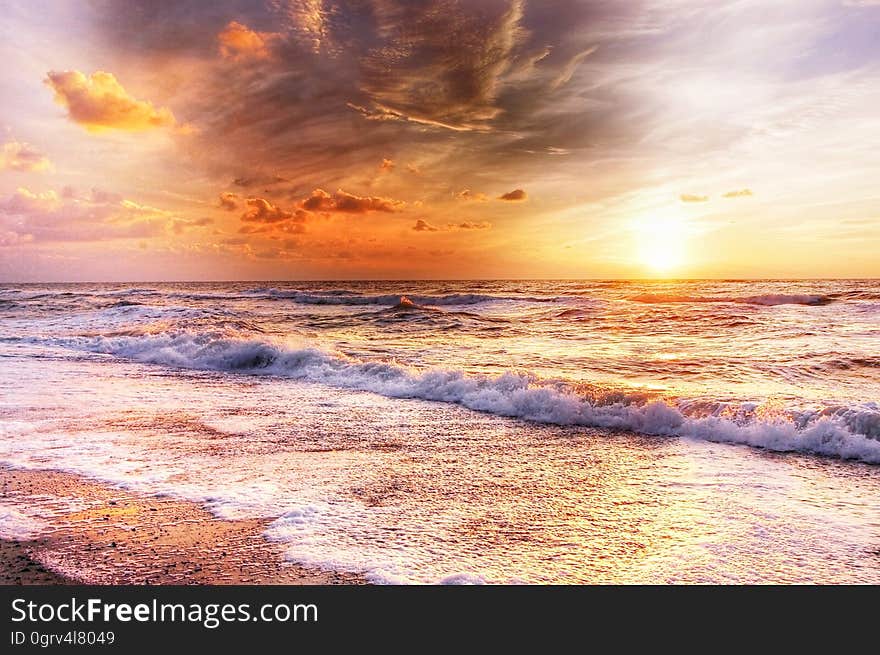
[[471, 431]]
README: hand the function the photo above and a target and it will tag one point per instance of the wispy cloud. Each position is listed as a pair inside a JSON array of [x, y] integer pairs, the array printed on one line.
[[22, 157], [96, 216], [692, 197], [739, 193]]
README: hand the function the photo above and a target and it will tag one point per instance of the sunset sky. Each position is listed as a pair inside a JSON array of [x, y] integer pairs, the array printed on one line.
[[324, 139]]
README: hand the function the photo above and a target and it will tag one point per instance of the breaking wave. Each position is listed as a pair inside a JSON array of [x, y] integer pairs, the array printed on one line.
[[845, 432]]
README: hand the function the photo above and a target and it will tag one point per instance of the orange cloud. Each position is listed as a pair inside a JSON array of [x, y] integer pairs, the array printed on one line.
[[21, 157], [238, 42], [258, 180], [689, 197], [296, 227], [229, 201], [387, 165], [253, 229], [467, 194], [263, 211], [517, 195], [740, 193], [99, 102], [424, 226], [321, 201], [469, 225]]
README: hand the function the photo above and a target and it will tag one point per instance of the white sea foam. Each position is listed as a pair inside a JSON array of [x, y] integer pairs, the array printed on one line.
[[849, 433], [16, 525]]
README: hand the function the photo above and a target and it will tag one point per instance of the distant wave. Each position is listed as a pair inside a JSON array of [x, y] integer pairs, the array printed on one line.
[[766, 299], [856, 295], [350, 297], [845, 432], [393, 300], [306, 297], [783, 299]]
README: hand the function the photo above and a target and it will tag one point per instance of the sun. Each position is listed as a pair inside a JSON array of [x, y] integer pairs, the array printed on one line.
[[661, 243]]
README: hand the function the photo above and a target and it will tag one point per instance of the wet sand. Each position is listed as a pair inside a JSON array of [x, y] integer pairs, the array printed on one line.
[[120, 537]]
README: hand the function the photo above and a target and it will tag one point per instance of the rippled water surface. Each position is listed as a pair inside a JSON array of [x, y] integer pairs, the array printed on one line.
[[473, 431]]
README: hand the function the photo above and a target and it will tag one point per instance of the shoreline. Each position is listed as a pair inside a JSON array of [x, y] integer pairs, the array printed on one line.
[[122, 537]]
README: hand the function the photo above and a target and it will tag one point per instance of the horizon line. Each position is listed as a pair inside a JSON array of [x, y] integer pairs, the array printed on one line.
[[472, 279]]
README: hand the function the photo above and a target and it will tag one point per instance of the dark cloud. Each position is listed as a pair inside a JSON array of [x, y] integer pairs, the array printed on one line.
[[421, 72], [347, 202], [452, 86], [258, 180], [169, 27], [318, 200], [517, 195], [446, 67], [423, 226], [261, 210], [321, 201], [470, 225]]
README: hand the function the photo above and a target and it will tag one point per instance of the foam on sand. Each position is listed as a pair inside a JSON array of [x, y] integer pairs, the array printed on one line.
[[18, 526]]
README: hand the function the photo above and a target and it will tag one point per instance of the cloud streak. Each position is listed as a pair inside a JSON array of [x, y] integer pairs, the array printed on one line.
[[422, 225]]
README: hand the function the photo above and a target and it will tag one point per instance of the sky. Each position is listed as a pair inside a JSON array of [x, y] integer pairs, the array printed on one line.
[[433, 139]]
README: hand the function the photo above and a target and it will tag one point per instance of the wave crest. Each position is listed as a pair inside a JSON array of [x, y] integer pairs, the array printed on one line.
[[845, 432]]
